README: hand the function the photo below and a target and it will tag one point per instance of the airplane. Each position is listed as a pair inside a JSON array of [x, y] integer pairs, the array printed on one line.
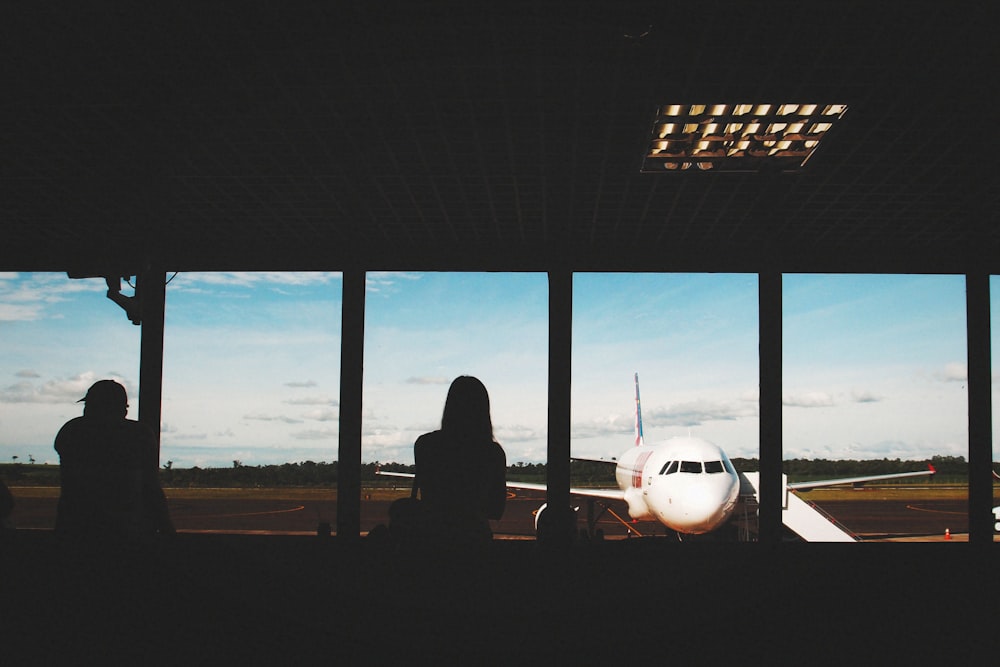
[[690, 486]]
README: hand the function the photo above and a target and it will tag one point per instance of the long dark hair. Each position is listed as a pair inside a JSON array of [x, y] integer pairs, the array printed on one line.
[[467, 411]]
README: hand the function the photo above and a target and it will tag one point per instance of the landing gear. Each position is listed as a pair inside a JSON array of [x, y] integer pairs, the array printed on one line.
[[595, 533]]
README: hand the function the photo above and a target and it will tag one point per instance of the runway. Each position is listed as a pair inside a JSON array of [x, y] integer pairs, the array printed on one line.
[[304, 511]]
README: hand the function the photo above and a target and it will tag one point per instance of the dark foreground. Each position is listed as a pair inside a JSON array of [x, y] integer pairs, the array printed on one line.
[[225, 599]]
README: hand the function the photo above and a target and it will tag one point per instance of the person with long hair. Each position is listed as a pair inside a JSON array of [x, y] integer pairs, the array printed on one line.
[[461, 469]]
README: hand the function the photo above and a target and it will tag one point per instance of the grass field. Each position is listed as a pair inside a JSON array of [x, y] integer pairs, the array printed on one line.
[[909, 492]]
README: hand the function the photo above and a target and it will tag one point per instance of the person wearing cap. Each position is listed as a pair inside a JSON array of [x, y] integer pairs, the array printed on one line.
[[109, 472]]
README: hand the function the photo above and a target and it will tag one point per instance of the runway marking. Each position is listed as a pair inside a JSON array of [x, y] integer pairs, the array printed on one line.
[[220, 516], [930, 511]]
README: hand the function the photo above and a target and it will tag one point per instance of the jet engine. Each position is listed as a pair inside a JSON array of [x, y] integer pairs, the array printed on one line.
[[540, 510]]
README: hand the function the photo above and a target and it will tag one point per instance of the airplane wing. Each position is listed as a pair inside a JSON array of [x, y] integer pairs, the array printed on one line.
[[589, 460], [608, 494], [384, 473], [797, 486]]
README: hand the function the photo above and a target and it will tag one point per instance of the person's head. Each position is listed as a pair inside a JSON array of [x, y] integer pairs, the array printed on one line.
[[467, 409], [106, 399]]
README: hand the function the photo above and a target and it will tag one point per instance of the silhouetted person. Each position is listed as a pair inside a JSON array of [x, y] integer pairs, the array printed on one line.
[[109, 473], [460, 469]]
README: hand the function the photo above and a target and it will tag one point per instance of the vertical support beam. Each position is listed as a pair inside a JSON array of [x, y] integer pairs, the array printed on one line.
[[352, 355], [771, 489], [977, 301], [151, 290], [557, 525]]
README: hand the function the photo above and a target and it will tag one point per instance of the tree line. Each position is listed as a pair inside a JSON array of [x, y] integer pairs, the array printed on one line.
[[951, 469]]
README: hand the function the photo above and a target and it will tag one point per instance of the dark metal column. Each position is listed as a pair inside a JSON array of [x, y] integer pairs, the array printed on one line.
[[977, 301], [771, 488], [352, 353], [557, 525], [151, 289]]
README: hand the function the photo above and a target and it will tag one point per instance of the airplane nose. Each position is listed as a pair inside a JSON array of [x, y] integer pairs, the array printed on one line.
[[701, 511]]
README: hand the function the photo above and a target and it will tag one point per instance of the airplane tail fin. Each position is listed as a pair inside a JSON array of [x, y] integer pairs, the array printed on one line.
[[638, 414]]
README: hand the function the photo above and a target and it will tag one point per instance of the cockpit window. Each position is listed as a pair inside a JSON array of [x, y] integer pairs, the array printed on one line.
[[669, 468], [690, 466], [714, 466]]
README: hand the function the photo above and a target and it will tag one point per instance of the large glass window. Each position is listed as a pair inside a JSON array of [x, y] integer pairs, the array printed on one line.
[[874, 371], [995, 373], [692, 340], [422, 330], [251, 372], [59, 336]]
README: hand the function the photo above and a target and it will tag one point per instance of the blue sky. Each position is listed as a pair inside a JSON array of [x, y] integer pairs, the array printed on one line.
[[874, 366]]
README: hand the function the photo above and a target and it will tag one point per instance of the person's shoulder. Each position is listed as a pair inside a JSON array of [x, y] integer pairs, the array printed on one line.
[[498, 452], [74, 422], [429, 438], [69, 427]]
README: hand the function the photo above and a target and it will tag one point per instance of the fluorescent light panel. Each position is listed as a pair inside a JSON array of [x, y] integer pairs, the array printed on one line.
[[737, 137]]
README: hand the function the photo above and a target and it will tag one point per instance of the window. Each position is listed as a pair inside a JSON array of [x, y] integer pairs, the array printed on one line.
[[714, 466], [669, 468]]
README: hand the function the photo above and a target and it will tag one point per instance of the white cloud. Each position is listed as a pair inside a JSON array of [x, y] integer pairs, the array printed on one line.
[[428, 380], [312, 400], [865, 397], [67, 390], [190, 436], [374, 439], [301, 385], [322, 415], [695, 413], [954, 372], [258, 416], [690, 414], [263, 278], [317, 434], [612, 425], [517, 434], [385, 281], [812, 399], [20, 313]]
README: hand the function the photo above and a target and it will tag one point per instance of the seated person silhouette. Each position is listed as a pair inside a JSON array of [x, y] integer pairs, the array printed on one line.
[[460, 471], [110, 487]]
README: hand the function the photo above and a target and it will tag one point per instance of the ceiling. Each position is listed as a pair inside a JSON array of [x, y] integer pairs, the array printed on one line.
[[456, 135]]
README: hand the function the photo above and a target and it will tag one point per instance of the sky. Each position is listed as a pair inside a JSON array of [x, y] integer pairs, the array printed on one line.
[[873, 366]]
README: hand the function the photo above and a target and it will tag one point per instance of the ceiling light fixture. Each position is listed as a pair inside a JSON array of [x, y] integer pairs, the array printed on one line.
[[737, 137]]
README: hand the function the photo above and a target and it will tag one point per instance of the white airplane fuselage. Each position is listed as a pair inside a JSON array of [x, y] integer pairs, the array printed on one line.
[[688, 484]]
